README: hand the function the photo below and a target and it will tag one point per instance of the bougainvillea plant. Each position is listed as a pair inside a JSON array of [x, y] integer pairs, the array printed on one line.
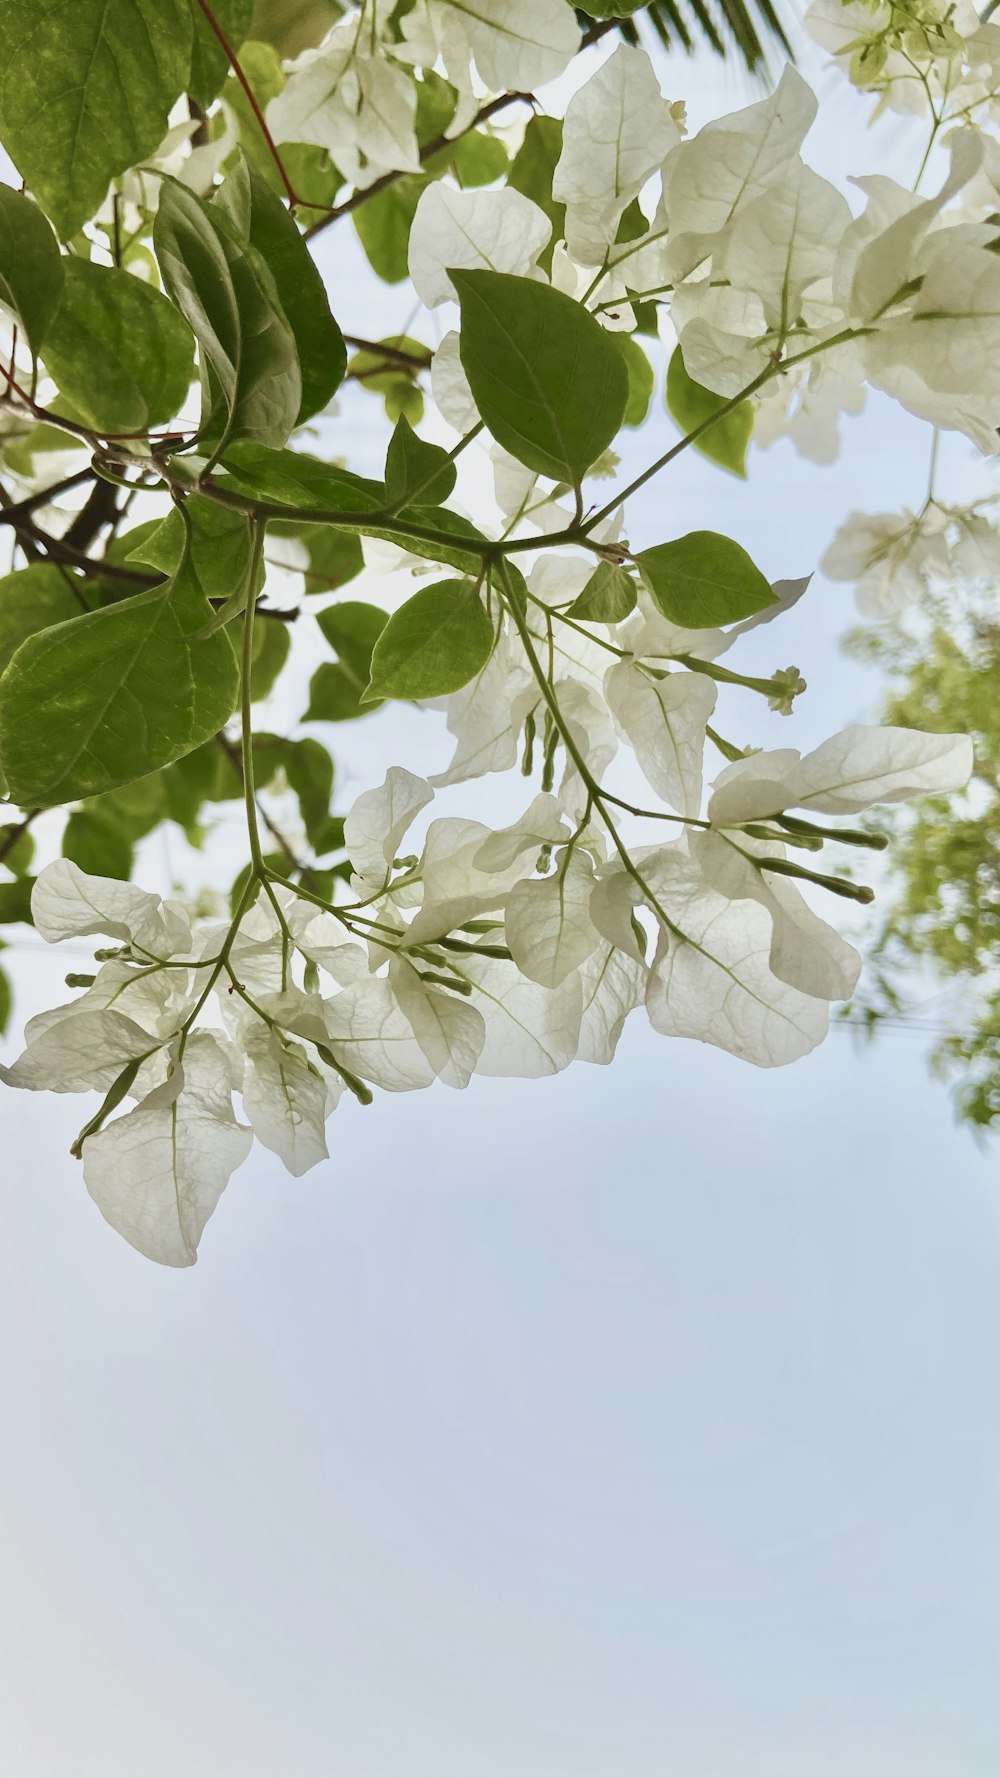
[[170, 349]]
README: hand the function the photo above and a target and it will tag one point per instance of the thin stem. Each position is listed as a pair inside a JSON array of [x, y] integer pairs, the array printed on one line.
[[251, 98]]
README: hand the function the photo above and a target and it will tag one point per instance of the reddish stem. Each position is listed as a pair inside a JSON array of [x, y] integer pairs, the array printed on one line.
[[234, 63]]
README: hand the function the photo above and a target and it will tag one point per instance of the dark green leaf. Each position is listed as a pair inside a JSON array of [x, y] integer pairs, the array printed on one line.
[[352, 630], [209, 63], [250, 378], [531, 173], [724, 443], [31, 266], [261, 219], [703, 580], [309, 770], [17, 846], [85, 92], [118, 349], [607, 598], [415, 469], [15, 901], [33, 599], [112, 695], [436, 643], [271, 643], [640, 378], [6, 1001], [97, 845], [548, 381]]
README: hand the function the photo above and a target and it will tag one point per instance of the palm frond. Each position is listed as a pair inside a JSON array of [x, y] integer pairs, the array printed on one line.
[[750, 29]]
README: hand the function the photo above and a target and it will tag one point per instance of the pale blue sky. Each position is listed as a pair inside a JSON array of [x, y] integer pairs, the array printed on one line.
[[637, 1424]]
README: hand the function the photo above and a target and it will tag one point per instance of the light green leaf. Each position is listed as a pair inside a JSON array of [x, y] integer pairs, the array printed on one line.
[[31, 266], [114, 694], [436, 643], [703, 580], [548, 381], [383, 223], [209, 62], [33, 599], [415, 469], [250, 377], [640, 378], [118, 349], [607, 598], [261, 219], [85, 92], [335, 689], [334, 556], [724, 443]]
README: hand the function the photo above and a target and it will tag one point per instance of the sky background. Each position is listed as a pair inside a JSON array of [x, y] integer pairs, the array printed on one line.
[[639, 1423]]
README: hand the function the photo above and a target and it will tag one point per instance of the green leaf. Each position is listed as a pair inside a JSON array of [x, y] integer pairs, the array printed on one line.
[[15, 901], [219, 556], [548, 381], [352, 630], [724, 443], [6, 1002], [118, 349], [85, 92], [271, 643], [209, 62], [640, 378], [309, 770], [334, 556], [383, 224], [304, 484], [18, 847], [415, 469], [607, 598], [114, 694], [531, 173], [97, 845], [610, 9], [261, 219], [33, 599], [31, 266], [703, 580], [436, 643], [250, 378]]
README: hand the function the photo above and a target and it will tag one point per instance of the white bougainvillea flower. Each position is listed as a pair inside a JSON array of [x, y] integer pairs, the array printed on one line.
[[379, 819], [889, 556], [663, 716], [516, 45], [67, 903]]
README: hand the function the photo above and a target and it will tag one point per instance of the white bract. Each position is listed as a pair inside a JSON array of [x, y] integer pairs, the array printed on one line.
[[442, 947]]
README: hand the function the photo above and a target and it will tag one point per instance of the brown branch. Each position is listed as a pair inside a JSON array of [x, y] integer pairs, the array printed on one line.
[[392, 354]]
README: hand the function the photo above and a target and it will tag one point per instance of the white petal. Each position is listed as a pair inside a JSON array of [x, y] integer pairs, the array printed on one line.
[[806, 952], [865, 765], [373, 1038], [450, 1032], [548, 925], [541, 824], [613, 985], [157, 1174], [751, 788], [617, 129], [450, 385], [84, 1050], [531, 1031], [518, 44], [715, 983], [380, 818], [664, 720], [67, 903], [285, 1100], [499, 231]]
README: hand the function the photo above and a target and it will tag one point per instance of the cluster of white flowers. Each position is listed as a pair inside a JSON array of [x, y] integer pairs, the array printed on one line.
[[511, 953], [516, 952]]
